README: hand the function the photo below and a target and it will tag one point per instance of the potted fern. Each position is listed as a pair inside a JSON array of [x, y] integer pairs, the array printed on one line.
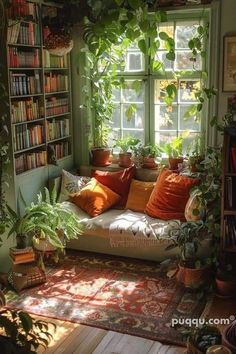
[[174, 150], [150, 153], [126, 145]]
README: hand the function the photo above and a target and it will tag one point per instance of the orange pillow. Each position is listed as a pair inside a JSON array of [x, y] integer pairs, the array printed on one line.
[[118, 182], [94, 198], [139, 194], [170, 196]]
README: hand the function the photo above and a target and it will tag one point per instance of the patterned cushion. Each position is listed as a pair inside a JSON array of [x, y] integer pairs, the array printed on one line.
[[71, 184]]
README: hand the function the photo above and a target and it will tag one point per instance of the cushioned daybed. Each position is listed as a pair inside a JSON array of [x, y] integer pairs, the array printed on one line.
[[122, 232]]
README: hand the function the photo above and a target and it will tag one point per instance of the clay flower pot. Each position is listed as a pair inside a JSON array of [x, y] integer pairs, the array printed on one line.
[[100, 157], [192, 277], [174, 162], [225, 287], [149, 162], [125, 159]]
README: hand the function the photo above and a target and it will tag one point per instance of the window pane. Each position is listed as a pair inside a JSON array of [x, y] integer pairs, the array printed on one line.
[[134, 61], [115, 94], [137, 120], [132, 93], [139, 134], [188, 90], [116, 117], [166, 118], [183, 61], [164, 137], [191, 123], [184, 32], [159, 90], [168, 64]]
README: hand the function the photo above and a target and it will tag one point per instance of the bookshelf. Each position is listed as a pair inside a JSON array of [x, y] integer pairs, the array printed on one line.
[[39, 92], [228, 204]]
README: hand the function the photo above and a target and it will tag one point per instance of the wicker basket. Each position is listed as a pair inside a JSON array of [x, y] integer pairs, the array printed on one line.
[[61, 51]]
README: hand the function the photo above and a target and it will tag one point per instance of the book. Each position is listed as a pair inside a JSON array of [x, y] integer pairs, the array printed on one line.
[[19, 261], [15, 250]]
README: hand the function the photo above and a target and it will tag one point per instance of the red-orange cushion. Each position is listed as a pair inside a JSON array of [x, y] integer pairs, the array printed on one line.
[[170, 196], [94, 198], [118, 182]]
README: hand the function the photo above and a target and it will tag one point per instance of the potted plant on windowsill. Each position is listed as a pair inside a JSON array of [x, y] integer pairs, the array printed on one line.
[[126, 145], [174, 151], [150, 153], [197, 154]]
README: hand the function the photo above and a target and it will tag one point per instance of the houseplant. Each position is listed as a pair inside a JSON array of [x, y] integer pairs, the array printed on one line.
[[193, 272], [199, 339], [174, 151], [126, 145], [149, 153], [196, 154]]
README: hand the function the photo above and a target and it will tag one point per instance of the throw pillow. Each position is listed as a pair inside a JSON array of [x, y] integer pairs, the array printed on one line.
[[170, 196], [94, 198], [71, 184], [118, 182], [139, 194]]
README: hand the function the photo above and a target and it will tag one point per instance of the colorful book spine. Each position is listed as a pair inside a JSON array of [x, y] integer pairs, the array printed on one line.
[[30, 161]]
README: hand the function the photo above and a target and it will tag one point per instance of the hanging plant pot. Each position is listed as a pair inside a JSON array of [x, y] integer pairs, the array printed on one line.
[[100, 157]]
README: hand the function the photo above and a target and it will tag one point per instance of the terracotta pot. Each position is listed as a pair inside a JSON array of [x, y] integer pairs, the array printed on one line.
[[100, 157], [225, 287], [193, 277], [149, 162], [194, 166], [229, 337], [125, 159], [174, 162]]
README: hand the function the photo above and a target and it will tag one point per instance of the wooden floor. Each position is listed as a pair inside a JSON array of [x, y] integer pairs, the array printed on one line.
[[71, 338]]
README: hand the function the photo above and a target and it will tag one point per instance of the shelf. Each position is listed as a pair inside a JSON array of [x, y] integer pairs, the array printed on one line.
[[55, 69], [230, 174], [28, 121], [55, 93], [58, 139], [58, 115], [25, 96], [27, 172], [29, 149], [23, 68], [24, 45], [229, 212]]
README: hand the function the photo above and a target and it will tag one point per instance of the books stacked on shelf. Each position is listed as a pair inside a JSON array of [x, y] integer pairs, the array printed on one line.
[[53, 61], [229, 192], [24, 255], [25, 84], [23, 33], [57, 129], [56, 82], [233, 159], [30, 161], [55, 105], [61, 149], [230, 231], [22, 58], [19, 9], [25, 136], [26, 110]]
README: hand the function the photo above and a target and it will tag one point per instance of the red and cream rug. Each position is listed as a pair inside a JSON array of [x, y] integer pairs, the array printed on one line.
[[118, 294]]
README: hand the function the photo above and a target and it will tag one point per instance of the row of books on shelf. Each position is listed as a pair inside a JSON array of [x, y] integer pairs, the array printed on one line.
[[230, 231], [21, 58], [53, 61], [55, 105], [56, 82], [25, 136], [24, 255], [22, 9], [19, 32], [58, 129], [25, 84], [26, 110], [29, 161], [233, 159], [61, 149]]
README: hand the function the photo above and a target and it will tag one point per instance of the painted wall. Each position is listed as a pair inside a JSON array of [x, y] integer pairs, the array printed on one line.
[[227, 26]]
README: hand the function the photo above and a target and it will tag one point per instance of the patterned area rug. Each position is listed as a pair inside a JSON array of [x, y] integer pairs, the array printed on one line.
[[118, 294]]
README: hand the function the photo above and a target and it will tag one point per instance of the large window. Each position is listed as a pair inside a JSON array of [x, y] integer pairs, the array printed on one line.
[[141, 109]]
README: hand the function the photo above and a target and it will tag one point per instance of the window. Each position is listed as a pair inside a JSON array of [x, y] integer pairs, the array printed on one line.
[[140, 106]]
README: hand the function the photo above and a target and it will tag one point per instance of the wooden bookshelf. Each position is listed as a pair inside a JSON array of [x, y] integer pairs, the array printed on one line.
[[39, 91], [228, 203]]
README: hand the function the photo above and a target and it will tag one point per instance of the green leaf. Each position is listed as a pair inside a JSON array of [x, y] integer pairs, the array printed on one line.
[[157, 65], [144, 25], [135, 4], [164, 36], [26, 321], [170, 55], [200, 30], [136, 85], [199, 107], [130, 111], [191, 44], [142, 46], [119, 2], [192, 111]]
